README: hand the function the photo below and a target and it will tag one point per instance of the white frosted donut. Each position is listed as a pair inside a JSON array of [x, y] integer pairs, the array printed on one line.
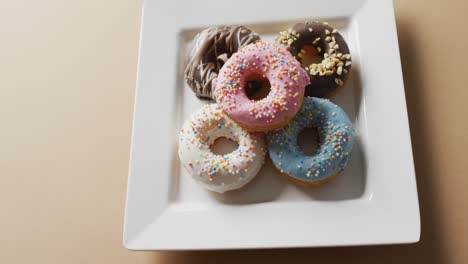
[[219, 173]]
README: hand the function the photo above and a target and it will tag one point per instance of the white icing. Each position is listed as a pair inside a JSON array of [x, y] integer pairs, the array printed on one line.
[[219, 173]]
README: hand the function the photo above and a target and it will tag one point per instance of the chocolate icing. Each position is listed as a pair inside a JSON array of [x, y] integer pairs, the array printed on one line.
[[324, 81], [212, 48]]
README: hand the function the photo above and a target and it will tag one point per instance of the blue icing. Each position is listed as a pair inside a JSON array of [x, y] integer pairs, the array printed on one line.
[[336, 142]]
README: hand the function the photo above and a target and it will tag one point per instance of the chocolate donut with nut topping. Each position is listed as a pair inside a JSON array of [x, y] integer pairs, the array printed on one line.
[[328, 75], [212, 48]]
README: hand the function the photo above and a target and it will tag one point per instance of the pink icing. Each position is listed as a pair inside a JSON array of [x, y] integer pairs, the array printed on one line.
[[283, 71]]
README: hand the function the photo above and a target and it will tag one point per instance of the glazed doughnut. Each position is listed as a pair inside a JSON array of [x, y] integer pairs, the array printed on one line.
[[329, 75], [336, 138], [212, 47], [285, 75], [219, 173]]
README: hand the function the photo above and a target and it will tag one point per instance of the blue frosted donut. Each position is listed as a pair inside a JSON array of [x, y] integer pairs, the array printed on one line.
[[336, 138]]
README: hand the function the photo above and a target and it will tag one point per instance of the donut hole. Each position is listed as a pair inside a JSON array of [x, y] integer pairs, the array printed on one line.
[[222, 146], [310, 56], [257, 87], [309, 141]]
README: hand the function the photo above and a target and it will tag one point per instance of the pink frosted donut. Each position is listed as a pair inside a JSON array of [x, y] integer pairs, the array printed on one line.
[[287, 83]]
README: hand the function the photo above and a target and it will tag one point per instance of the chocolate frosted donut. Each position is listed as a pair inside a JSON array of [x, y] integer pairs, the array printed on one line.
[[329, 75], [213, 47]]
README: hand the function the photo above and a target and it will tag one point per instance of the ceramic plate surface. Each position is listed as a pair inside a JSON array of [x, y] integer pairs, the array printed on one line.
[[373, 202]]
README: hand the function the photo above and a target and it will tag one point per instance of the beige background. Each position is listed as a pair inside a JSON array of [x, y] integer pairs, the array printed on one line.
[[67, 80]]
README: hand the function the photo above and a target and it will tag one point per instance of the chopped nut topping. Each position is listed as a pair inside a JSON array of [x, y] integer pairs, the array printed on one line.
[[333, 61], [316, 41], [339, 70], [287, 37]]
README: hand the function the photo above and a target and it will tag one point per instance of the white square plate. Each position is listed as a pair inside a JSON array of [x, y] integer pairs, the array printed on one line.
[[373, 202]]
